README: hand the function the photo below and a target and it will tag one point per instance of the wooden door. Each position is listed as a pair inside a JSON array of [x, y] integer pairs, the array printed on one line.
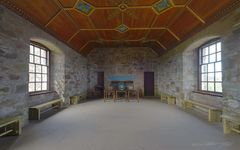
[[148, 83], [100, 84]]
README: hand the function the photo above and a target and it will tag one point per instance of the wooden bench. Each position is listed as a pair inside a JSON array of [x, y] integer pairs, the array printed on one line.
[[230, 124], [214, 114], [10, 126], [36, 111], [74, 100], [171, 100]]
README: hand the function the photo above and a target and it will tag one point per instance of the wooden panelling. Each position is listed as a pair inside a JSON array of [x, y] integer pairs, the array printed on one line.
[[112, 18], [155, 34], [41, 10], [184, 24], [102, 3], [165, 18], [180, 2], [155, 46], [138, 18], [81, 20], [62, 26], [115, 35], [206, 8], [140, 2], [88, 47], [83, 31], [167, 39], [82, 37], [68, 3]]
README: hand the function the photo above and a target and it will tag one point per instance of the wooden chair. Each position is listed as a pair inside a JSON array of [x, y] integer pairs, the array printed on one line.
[[109, 94], [133, 93]]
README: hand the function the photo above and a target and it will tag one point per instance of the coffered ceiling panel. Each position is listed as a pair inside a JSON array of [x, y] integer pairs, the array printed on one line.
[[40, 10], [80, 39], [140, 2], [68, 3], [112, 18], [128, 35], [180, 2], [185, 23], [81, 20], [166, 18], [62, 26], [206, 8], [139, 17], [87, 24], [102, 3]]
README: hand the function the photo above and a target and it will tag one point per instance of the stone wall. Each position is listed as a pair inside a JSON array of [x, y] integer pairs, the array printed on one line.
[[120, 61], [183, 58], [66, 66]]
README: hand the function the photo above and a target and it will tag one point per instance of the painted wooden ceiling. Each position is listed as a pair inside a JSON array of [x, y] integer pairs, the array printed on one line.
[[88, 24]]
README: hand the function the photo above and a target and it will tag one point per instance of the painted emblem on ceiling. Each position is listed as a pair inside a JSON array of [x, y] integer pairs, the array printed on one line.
[[122, 28], [161, 5], [84, 7]]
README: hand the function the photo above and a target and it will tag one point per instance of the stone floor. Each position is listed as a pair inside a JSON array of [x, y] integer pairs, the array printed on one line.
[[148, 125]]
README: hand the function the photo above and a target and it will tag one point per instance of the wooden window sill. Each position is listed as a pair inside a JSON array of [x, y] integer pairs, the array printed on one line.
[[41, 93], [209, 93]]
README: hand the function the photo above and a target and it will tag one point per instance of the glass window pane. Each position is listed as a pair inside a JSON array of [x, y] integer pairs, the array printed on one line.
[[38, 68], [205, 59], [31, 49], [43, 53], [213, 58], [204, 77], [218, 66], [38, 86], [204, 68], [31, 58], [219, 46], [38, 77], [37, 51], [43, 61], [210, 67], [212, 49], [218, 87], [44, 69], [205, 51], [31, 77], [219, 76], [44, 86], [204, 86], [31, 68], [219, 57], [44, 77], [210, 76], [37, 59], [31, 87], [211, 86]]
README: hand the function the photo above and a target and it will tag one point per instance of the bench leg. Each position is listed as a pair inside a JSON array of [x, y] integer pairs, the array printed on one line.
[[214, 115], [226, 127], [34, 114]]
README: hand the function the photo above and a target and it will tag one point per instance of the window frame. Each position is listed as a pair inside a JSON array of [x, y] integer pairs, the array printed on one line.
[[200, 63], [40, 46]]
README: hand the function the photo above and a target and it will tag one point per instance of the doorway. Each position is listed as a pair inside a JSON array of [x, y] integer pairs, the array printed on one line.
[[99, 88], [148, 83]]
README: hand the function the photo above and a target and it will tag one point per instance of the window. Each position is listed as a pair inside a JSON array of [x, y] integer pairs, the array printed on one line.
[[210, 67], [38, 69]]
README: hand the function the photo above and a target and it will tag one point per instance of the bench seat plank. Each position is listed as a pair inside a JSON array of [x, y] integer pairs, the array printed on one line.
[[11, 126], [229, 123], [36, 111], [214, 113]]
